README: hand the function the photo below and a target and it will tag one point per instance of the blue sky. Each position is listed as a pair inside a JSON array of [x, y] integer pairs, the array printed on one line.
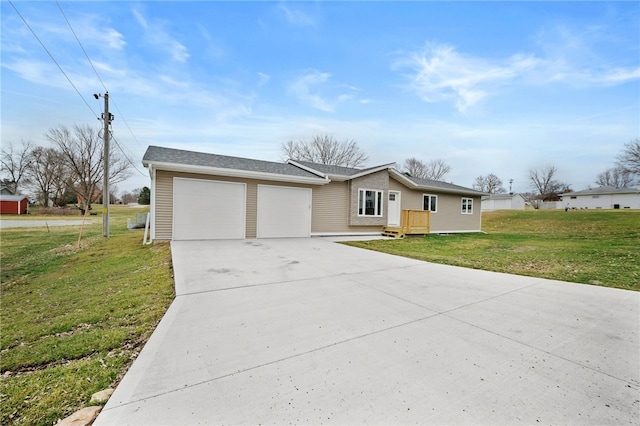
[[488, 87]]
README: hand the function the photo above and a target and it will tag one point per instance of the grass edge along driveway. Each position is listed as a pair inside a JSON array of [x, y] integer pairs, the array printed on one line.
[[73, 319], [595, 247]]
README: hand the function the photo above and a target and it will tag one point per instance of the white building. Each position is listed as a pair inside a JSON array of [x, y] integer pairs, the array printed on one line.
[[503, 202], [604, 197]]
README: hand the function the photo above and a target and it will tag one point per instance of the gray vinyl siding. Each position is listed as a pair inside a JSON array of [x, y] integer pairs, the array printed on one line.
[[164, 206], [449, 217], [331, 210], [332, 205], [164, 200]]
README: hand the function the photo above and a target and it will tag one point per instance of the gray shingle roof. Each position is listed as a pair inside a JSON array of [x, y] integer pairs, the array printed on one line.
[[156, 154], [329, 169], [602, 190], [436, 184], [505, 196]]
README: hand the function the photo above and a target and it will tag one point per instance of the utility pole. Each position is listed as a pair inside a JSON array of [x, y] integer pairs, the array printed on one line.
[[107, 117]]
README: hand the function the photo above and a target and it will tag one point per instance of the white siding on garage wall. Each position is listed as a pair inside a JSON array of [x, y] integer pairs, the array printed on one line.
[[208, 209]]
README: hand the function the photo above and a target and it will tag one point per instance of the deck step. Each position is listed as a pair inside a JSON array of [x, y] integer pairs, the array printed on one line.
[[393, 233]]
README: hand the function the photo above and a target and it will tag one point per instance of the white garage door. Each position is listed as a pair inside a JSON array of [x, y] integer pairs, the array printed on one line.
[[208, 210], [283, 212]]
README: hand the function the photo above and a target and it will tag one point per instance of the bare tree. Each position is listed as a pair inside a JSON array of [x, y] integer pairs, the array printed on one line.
[[15, 163], [82, 154], [629, 159], [616, 177], [325, 149], [130, 197], [543, 182], [47, 172], [434, 169], [491, 184]]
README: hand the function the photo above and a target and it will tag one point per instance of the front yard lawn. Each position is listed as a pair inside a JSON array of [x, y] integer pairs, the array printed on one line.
[[585, 246], [73, 319]]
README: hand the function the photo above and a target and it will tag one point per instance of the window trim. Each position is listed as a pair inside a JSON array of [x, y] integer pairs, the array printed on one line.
[[430, 195], [468, 207], [378, 202]]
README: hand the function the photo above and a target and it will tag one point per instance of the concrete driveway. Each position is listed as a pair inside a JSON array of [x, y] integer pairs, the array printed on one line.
[[307, 331]]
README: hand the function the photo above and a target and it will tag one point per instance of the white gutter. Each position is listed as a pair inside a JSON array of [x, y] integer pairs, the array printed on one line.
[[187, 168]]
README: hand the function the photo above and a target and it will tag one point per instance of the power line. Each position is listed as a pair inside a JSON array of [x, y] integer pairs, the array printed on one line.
[[122, 117], [125, 155], [71, 82], [81, 46], [52, 58]]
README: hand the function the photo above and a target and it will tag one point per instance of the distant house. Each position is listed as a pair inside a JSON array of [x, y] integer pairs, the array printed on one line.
[[196, 195], [604, 197], [7, 188], [14, 204], [503, 202]]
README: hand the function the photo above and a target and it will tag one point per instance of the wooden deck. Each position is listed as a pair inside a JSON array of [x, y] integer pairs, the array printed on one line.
[[412, 222]]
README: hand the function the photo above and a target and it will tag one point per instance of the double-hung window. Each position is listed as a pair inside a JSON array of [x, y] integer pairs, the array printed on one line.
[[430, 202], [369, 202], [467, 206]]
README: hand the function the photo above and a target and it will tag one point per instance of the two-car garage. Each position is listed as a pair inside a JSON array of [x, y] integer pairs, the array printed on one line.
[[211, 209]]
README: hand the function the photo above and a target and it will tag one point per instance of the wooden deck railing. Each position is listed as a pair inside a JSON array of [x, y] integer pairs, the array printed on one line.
[[412, 222]]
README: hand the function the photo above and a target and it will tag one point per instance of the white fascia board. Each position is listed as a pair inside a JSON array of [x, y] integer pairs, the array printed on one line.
[[389, 166], [412, 185], [187, 168], [307, 168]]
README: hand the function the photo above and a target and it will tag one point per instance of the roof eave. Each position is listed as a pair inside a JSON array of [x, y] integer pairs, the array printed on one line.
[[307, 168], [389, 166], [411, 184], [190, 168]]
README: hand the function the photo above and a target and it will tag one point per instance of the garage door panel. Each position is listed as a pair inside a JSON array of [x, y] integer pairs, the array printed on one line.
[[205, 209], [283, 212]]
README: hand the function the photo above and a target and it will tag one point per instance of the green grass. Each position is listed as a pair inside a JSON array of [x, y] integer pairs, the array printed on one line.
[[590, 247], [72, 319]]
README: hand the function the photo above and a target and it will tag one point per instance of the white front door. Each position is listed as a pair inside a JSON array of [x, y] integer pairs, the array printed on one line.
[[394, 209]]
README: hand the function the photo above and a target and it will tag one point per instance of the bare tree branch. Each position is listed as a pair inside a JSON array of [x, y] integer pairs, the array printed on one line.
[[434, 169], [629, 159], [544, 183], [616, 177], [325, 149], [47, 172], [15, 163], [491, 184], [82, 153]]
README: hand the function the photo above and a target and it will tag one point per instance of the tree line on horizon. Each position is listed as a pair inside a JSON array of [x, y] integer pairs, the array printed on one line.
[[326, 149], [71, 169], [68, 171]]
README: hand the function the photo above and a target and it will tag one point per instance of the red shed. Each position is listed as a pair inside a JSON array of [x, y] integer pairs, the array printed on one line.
[[14, 204]]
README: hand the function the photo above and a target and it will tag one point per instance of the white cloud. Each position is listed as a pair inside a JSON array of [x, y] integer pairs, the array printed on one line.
[[160, 39], [305, 88], [440, 73], [296, 17], [620, 75], [583, 57], [316, 90], [263, 79]]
